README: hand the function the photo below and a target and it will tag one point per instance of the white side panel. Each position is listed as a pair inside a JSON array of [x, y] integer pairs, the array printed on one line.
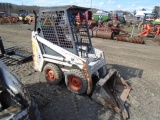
[[68, 56], [96, 65], [57, 62], [37, 55]]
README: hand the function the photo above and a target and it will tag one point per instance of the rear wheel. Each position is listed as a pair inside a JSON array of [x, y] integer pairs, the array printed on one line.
[[142, 26], [116, 32], [53, 73], [76, 82]]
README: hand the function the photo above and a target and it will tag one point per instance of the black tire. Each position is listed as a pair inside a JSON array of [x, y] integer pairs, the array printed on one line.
[[76, 82], [102, 71], [141, 24], [34, 111], [116, 32], [140, 27], [53, 73]]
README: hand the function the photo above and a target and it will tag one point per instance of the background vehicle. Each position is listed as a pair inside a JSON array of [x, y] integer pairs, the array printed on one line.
[[149, 18], [105, 16], [149, 27], [22, 14], [24, 17], [6, 17]]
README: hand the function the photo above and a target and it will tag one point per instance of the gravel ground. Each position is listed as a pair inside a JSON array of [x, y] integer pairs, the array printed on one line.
[[138, 64]]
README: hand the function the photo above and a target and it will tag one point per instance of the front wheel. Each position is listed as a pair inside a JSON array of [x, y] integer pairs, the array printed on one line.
[[53, 73], [142, 26], [76, 82]]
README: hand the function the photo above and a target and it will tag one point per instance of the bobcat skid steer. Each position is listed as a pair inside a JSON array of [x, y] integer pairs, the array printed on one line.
[[62, 47]]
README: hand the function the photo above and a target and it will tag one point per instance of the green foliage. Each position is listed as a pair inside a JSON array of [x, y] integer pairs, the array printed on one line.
[[143, 9], [15, 8], [156, 10]]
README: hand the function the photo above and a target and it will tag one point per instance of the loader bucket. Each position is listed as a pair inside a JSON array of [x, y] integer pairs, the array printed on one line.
[[112, 91]]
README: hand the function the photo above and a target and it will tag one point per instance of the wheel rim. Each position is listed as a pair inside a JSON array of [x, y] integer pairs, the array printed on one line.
[[50, 75], [75, 83]]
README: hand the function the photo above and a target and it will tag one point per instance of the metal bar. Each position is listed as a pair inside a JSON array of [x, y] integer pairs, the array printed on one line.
[[41, 47], [6, 60], [2, 47], [88, 34], [21, 54], [56, 28], [26, 59], [53, 57], [60, 63], [71, 34], [11, 57], [35, 24], [11, 48], [11, 62], [132, 31], [10, 52]]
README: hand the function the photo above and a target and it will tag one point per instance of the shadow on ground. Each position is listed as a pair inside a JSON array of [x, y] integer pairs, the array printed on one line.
[[126, 72], [57, 103]]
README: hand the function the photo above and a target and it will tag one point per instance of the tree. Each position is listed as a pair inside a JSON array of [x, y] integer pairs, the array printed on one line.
[[10, 6], [143, 9], [0, 6], [3, 6], [134, 12], [156, 10]]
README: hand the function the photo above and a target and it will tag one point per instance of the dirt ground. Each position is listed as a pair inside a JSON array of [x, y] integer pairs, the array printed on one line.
[[138, 64]]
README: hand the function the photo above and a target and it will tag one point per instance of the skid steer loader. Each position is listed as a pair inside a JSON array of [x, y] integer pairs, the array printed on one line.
[[62, 48]]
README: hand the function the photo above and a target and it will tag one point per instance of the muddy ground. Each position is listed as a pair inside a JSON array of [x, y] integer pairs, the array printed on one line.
[[138, 64]]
